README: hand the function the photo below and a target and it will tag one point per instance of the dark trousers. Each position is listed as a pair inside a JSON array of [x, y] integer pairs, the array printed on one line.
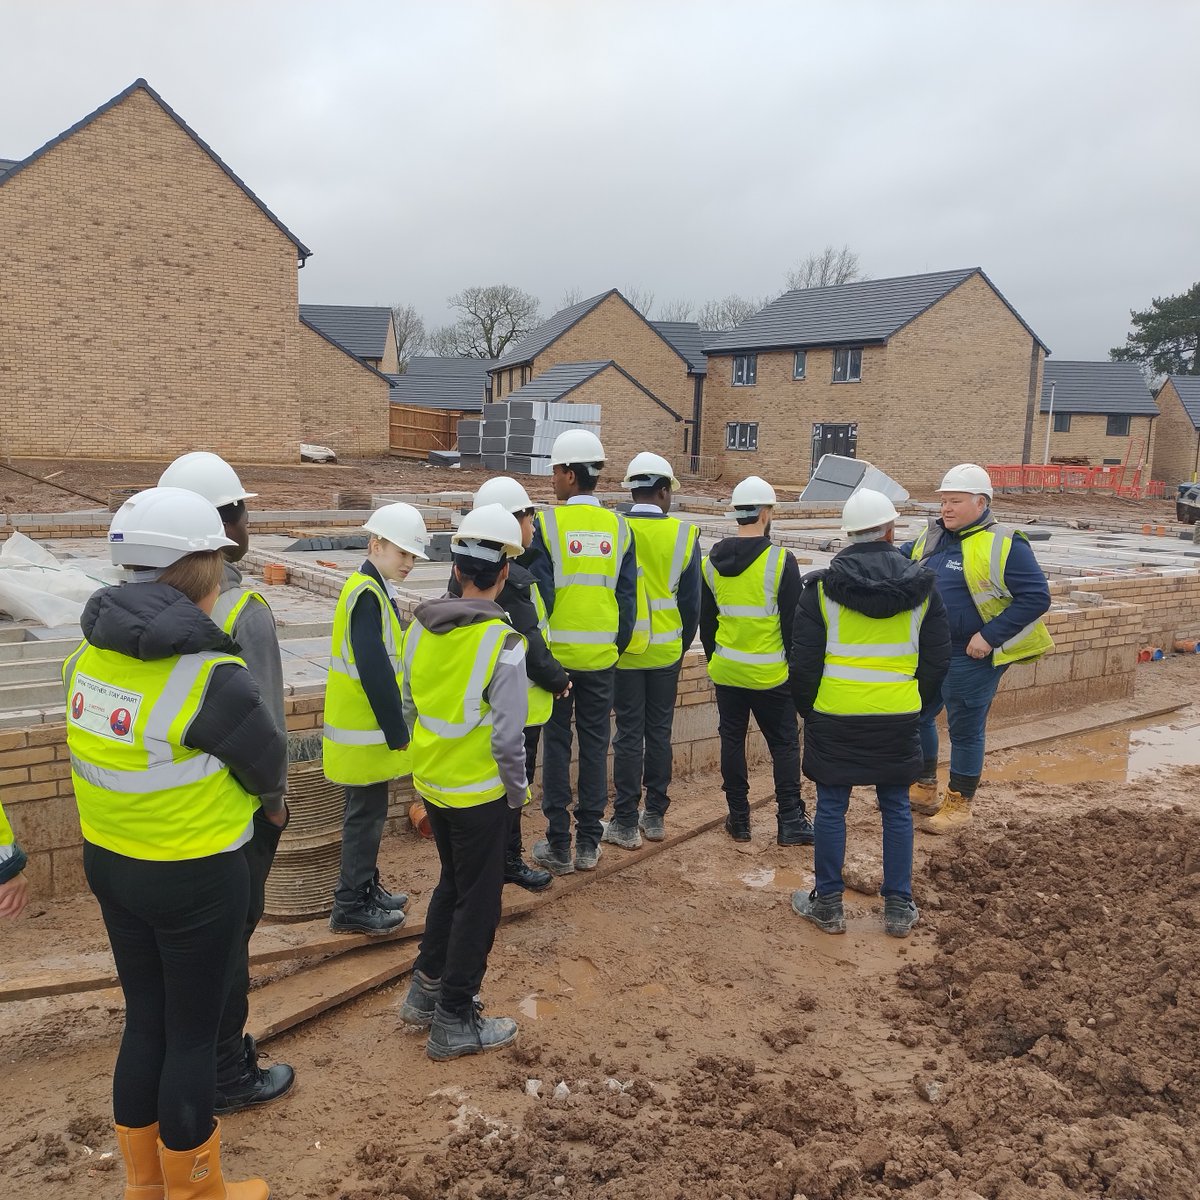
[[829, 830], [174, 928], [776, 716], [644, 706], [362, 829], [590, 701], [464, 909], [259, 853], [533, 734]]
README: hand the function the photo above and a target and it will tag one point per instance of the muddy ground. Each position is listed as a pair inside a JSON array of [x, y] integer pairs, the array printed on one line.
[[1038, 1036]]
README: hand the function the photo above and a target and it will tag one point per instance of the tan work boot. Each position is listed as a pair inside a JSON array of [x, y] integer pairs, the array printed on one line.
[[923, 797], [196, 1174], [139, 1149], [954, 814]]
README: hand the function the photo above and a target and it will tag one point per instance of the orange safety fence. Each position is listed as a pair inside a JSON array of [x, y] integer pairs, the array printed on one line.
[[1055, 477]]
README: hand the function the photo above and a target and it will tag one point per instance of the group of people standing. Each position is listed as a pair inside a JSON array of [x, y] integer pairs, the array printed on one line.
[[556, 620]]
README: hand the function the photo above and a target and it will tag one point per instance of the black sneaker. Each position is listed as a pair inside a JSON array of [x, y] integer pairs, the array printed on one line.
[[899, 916], [557, 862], [795, 829], [737, 825], [628, 837], [452, 1036], [586, 857], [392, 901], [254, 1085], [518, 871], [364, 917], [653, 826], [825, 912]]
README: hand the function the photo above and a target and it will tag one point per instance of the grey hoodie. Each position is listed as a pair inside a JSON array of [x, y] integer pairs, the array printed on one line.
[[507, 693]]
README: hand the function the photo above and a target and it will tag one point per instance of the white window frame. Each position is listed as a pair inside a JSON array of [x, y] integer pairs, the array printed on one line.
[[741, 435], [745, 370], [849, 353], [799, 364]]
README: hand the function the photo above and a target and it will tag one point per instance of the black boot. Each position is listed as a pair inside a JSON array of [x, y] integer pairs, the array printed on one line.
[[388, 901], [250, 1085], [518, 871], [452, 1035], [365, 915], [795, 829], [737, 825]]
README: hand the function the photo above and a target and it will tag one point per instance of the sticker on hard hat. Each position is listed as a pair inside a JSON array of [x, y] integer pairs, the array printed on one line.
[[589, 543], [116, 537], [103, 709]]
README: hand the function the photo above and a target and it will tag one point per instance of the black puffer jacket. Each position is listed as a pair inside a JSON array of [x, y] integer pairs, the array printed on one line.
[[874, 579], [149, 621]]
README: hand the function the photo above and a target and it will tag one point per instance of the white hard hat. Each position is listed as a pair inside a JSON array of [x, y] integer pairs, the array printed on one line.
[[161, 525], [752, 493], [577, 446], [867, 509], [506, 492], [967, 477], [208, 475], [401, 525], [490, 533], [647, 469]]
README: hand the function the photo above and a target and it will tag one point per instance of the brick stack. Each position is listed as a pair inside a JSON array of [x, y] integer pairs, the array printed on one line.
[[516, 436]]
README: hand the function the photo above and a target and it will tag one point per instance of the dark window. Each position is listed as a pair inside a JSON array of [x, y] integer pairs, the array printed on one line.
[[1112, 462], [1118, 425], [1062, 422], [741, 435], [499, 384], [847, 364], [799, 363], [745, 370]]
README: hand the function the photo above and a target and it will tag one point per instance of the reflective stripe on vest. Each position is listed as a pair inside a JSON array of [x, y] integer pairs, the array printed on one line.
[[985, 555], [541, 702], [230, 604], [587, 545], [749, 651], [355, 748], [868, 669], [662, 546], [448, 675], [141, 792]]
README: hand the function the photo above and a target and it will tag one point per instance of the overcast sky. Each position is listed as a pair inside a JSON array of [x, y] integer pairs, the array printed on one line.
[[692, 149]]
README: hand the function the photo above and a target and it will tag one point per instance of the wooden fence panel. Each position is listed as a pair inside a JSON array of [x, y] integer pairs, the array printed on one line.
[[413, 432]]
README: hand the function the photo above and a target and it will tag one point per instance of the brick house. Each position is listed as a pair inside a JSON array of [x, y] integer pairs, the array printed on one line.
[[1177, 438], [913, 373], [149, 306], [366, 331], [1103, 412]]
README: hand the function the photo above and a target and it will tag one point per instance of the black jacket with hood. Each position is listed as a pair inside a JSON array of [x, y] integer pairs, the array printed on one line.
[[150, 621], [731, 556], [874, 579]]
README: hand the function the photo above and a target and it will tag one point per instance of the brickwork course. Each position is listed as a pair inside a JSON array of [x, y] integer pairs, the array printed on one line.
[[1088, 438], [1178, 449]]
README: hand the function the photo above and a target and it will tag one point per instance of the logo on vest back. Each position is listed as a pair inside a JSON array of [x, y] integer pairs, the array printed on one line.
[[100, 708], [77, 705], [576, 547], [590, 543]]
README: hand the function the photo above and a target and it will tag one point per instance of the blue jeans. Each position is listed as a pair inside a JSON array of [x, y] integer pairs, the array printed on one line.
[[829, 838], [967, 694]]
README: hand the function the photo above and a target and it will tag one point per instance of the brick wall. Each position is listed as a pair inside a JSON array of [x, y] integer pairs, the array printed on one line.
[[951, 386], [1088, 438], [341, 403], [1175, 439], [141, 291]]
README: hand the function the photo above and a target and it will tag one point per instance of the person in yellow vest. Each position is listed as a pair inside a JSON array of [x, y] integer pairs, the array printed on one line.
[[584, 555], [172, 752], [244, 614], [746, 608], [646, 683], [870, 646], [995, 595], [527, 612], [466, 695], [14, 887], [365, 742]]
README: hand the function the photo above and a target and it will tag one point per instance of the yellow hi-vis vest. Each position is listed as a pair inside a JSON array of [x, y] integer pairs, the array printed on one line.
[[6, 833], [447, 675], [541, 702], [662, 546], [587, 545], [230, 604], [354, 747], [870, 662], [750, 652], [140, 791], [985, 554]]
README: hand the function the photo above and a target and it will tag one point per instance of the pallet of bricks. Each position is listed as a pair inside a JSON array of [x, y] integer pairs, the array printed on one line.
[[516, 436]]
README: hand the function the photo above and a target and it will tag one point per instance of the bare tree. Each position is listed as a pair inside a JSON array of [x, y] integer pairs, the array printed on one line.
[[733, 310], [569, 298], [823, 269], [641, 298], [411, 338], [676, 310], [492, 318]]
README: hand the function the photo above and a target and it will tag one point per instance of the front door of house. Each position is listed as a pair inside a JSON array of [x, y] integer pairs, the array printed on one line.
[[834, 439]]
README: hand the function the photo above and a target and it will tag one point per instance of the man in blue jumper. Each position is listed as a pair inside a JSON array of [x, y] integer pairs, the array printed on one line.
[[995, 595]]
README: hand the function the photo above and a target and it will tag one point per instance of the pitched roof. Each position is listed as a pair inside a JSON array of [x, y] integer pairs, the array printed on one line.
[[534, 342], [16, 169], [689, 340], [446, 383], [559, 380], [868, 310], [366, 366], [1188, 387], [361, 329], [1097, 387], [7, 164]]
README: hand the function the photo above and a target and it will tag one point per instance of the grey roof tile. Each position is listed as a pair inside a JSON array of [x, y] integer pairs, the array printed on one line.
[[361, 329], [445, 383], [689, 340], [1188, 387], [534, 342], [558, 381], [7, 164], [1097, 387]]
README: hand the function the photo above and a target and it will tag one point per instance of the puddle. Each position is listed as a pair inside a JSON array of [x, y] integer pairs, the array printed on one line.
[[1119, 754], [575, 981], [774, 877]]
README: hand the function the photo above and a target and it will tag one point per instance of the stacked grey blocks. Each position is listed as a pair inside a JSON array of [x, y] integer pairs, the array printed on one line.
[[516, 436]]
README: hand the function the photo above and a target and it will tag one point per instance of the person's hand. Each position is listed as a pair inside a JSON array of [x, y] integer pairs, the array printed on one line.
[[977, 647], [564, 693], [278, 819], [14, 895]]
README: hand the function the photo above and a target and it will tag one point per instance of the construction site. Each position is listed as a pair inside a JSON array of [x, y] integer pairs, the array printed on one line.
[[682, 1032]]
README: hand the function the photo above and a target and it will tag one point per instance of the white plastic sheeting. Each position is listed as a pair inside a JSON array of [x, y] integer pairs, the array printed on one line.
[[36, 586]]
